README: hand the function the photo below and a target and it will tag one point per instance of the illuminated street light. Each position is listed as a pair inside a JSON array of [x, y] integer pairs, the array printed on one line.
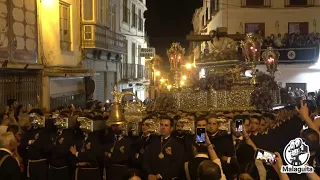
[[47, 2], [184, 77], [169, 87], [162, 80], [182, 83], [189, 66], [157, 73]]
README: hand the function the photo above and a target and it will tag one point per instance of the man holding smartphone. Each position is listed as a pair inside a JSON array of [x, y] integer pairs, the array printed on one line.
[[203, 151]]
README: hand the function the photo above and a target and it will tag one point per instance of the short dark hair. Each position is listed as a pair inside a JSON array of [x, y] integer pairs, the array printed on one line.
[[200, 148], [13, 128], [37, 111], [256, 117], [269, 115], [201, 118], [209, 170], [311, 138], [212, 116], [251, 169], [167, 118]]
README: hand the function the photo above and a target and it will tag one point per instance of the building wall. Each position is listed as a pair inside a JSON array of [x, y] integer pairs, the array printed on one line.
[[296, 73], [49, 34], [52, 55], [233, 16], [133, 35], [66, 85]]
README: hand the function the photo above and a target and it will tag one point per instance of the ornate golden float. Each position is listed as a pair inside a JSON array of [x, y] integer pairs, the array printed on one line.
[[224, 85]]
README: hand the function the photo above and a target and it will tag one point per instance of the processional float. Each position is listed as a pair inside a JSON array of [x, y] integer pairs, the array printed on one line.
[[223, 86]]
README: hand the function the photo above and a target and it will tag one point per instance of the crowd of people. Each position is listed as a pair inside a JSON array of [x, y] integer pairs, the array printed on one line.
[[29, 150], [292, 40]]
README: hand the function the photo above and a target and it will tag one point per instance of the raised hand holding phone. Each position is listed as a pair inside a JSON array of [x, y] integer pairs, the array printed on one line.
[[201, 135]]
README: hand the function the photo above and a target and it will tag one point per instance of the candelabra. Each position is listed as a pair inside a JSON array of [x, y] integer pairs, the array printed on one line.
[[251, 48]]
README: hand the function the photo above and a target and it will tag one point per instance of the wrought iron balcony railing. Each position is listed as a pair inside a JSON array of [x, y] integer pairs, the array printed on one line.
[[298, 55], [133, 71], [299, 3], [101, 37], [255, 3]]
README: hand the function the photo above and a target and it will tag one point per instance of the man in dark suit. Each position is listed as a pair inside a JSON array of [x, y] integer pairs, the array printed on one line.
[[9, 167], [191, 167]]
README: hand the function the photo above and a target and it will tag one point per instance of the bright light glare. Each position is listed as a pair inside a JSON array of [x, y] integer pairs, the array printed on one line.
[[162, 80], [158, 73], [47, 2], [202, 73], [184, 77], [169, 86], [189, 66], [182, 83]]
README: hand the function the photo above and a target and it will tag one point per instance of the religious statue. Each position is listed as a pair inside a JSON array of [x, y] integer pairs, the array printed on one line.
[[236, 73], [222, 48]]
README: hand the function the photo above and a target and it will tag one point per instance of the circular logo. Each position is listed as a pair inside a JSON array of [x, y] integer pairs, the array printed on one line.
[[296, 153], [291, 54]]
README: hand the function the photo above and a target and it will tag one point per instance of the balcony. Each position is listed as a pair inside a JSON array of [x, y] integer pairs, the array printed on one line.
[[255, 3], [133, 71], [298, 55], [100, 37], [299, 3]]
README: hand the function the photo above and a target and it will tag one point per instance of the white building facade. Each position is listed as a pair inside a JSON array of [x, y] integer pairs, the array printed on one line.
[[132, 25], [270, 17], [104, 45]]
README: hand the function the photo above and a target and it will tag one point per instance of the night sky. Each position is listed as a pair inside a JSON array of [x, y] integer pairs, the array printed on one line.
[[169, 21]]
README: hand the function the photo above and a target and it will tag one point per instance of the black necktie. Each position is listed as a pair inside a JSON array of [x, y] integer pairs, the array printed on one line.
[[237, 143]]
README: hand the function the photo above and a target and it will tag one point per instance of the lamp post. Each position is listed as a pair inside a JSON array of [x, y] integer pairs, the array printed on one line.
[[271, 59], [251, 48], [175, 54]]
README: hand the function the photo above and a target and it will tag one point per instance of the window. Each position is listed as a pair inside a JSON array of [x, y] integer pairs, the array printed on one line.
[[102, 9], [254, 2], [134, 15], [203, 21], [214, 6], [65, 34], [112, 22], [139, 57], [298, 27], [125, 15], [299, 3], [88, 32], [255, 28], [207, 14], [140, 25], [133, 53]]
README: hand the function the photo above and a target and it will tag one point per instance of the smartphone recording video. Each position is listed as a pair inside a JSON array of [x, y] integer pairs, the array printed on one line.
[[266, 156], [239, 125], [201, 135]]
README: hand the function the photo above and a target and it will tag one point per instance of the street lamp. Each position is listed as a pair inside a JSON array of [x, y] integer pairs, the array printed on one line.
[[157, 73], [189, 66], [271, 58], [184, 77]]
